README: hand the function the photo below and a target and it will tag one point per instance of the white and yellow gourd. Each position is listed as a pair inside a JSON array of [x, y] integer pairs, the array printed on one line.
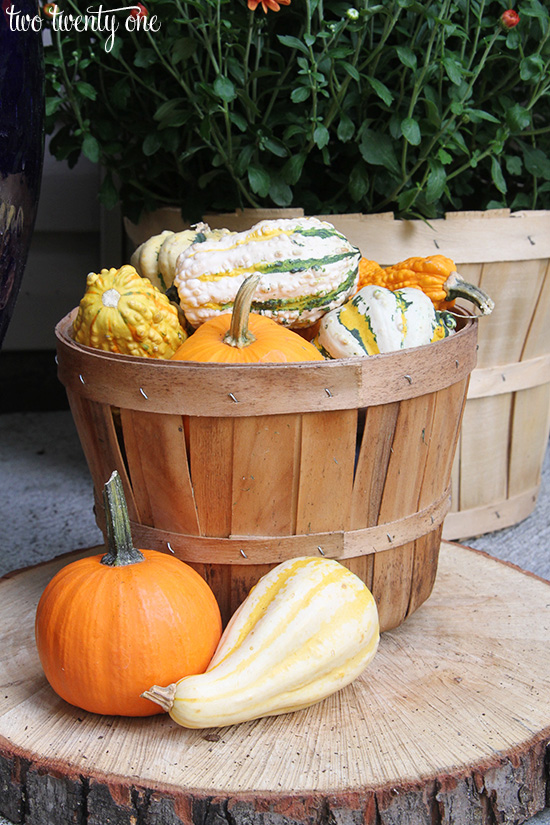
[[156, 257], [380, 320], [307, 269], [307, 629]]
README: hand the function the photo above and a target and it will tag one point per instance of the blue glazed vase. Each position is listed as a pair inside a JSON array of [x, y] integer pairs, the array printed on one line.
[[21, 147]]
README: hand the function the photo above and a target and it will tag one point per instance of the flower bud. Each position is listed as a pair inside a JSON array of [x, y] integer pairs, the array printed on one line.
[[509, 18]]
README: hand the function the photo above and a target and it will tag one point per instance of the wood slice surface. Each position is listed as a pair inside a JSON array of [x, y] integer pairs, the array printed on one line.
[[449, 724]]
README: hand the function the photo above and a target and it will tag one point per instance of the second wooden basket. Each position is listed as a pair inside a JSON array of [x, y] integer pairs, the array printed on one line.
[[235, 468]]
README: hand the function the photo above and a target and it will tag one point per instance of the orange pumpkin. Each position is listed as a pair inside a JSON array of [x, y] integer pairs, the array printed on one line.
[[242, 337], [107, 625]]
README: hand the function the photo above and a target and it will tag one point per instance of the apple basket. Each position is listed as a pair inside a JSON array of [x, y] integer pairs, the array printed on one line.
[[236, 467]]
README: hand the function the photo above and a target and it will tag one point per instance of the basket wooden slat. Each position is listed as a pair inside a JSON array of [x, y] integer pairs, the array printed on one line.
[[358, 473]]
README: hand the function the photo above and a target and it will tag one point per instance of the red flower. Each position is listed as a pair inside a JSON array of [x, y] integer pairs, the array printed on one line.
[[267, 5], [139, 10], [509, 18]]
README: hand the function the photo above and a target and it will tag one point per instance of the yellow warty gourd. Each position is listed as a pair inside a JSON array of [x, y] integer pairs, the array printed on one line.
[[307, 629], [122, 312]]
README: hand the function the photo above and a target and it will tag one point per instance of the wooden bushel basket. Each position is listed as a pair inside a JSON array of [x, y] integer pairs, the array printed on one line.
[[235, 468]]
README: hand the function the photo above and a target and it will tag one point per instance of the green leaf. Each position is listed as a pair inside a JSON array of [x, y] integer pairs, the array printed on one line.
[[375, 148], [497, 176], [453, 70], [406, 199], [259, 181], [406, 56], [91, 149], [411, 131], [477, 115], [351, 70], [275, 147], [346, 128], [381, 90], [280, 193], [108, 194], [166, 110], [531, 68], [244, 159], [239, 121], [151, 144], [300, 94], [52, 105], [437, 179], [145, 58], [358, 182], [518, 118], [86, 90], [514, 165], [444, 157], [292, 43], [184, 48], [224, 88], [536, 162], [321, 136], [292, 170]]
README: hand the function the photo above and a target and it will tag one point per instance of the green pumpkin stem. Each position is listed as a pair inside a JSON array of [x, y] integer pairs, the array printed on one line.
[[238, 334], [120, 549], [456, 287]]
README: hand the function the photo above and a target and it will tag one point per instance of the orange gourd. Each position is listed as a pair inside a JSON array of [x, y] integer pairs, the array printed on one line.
[[435, 275], [109, 625], [242, 337]]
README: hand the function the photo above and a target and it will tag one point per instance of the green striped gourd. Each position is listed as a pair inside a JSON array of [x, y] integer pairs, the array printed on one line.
[[156, 257], [306, 629], [379, 320], [307, 269]]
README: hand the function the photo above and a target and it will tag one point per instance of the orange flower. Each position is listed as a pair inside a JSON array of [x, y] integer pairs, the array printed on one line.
[[273, 5]]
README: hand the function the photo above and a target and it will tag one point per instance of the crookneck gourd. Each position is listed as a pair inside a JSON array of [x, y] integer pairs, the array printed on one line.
[[435, 275], [107, 626], [379, 320], [307, 629], [123, 312], [156, 257], [307, 268], [244, 337]]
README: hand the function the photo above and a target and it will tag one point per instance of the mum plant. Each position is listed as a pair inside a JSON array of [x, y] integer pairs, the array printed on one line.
[[413, 107]]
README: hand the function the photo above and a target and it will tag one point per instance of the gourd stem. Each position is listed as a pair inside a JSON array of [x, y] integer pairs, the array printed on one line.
[[238, 334], [456, 287], [120, 549], [163, 696]]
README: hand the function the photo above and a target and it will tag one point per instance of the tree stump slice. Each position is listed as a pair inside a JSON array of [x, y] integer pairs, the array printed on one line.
[[449, 724]]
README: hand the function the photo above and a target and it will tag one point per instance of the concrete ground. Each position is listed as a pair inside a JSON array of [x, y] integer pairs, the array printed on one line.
[[46, 505]]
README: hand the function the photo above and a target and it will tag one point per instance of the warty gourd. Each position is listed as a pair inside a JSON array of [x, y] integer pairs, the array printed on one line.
[[307, 268]]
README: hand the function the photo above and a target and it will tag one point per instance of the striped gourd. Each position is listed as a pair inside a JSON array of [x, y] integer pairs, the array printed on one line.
[[307, 269], [307, 628], [156, 257], [379, 320]]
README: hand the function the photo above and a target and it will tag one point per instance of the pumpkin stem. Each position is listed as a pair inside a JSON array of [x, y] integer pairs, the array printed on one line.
[[163, 696], [238, 334], [456, 287], [121, 550]]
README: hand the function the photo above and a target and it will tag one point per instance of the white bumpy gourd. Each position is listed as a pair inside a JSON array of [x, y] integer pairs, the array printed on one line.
[[307, 268]]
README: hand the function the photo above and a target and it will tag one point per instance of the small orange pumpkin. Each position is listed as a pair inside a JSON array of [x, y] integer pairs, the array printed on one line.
[[242, 337], [107, 625]]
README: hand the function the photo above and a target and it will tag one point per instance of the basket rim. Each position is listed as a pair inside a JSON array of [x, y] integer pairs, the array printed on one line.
[[165, 386]]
